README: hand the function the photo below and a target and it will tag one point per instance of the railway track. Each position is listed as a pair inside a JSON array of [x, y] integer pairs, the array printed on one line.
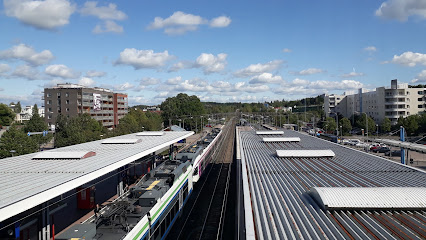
[[204, 214]]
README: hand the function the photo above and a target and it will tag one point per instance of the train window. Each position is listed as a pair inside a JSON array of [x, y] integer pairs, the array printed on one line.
[[168, 218]]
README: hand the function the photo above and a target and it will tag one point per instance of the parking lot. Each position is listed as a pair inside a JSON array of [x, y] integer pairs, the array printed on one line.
[[419, 159]]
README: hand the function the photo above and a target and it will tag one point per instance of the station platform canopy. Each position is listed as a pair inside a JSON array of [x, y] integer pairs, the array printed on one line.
[[32, 179]]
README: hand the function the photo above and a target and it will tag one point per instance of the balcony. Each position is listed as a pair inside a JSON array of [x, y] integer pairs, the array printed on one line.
[[395, 96]]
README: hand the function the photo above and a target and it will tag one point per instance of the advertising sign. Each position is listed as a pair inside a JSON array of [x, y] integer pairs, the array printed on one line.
[[97, 102]]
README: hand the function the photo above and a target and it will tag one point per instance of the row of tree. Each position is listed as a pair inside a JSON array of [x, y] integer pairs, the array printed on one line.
[[15, 140]]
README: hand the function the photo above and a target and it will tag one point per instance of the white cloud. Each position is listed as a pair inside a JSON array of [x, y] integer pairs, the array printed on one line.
[[243, 86], [181, 65], [1, 89], [122, 87], [62, 71], [149, 81], [211, 63], [352, 74], [143, 58], [335, 85], [208, 62], [410, 59], [309, 71], [421, 77], [4, 68], [93, 73], [287, 50], [174, 81], [25, 71], [108, 26], [86, 81], [28, 54], [48, 14], [370, 49], [402, 9], [266, 78], [180, 23], [52, 83], [300, 82], [219, 22], [109, 12], [259, 68]]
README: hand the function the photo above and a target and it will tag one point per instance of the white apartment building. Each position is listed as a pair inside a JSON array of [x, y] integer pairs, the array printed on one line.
[[398, 100], [330, 103], [27, 113]]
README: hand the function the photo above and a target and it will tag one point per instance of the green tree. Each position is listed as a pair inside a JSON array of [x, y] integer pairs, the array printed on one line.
[[386, 125], [80, 129], [37, 124], [180, 106], [411, 124], [330, 124], [16, 140], [18, 107], [346, 125], [371, 124], [6, 115]]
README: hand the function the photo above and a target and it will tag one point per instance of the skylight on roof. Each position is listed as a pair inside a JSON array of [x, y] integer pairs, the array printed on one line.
[[150, 133], [396, 198], [77, 155], [305, 153], [121, 141], [276, 139], [269, 132]]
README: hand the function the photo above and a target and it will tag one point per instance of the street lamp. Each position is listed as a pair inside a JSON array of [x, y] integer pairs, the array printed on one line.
[[12, 152], [377, 130]]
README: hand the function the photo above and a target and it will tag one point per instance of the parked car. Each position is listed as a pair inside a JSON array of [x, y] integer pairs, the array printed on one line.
[[394, 153], [381, 150], [354, 142]]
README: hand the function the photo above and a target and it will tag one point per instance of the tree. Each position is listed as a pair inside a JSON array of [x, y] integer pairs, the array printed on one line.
[[386, 125], [346, 125], [371, 124], [80, 129], [6, 115], [411, 125], [16, 140], [18, 107], [35, 109], [180, 106], [37, 124], [330, 124]]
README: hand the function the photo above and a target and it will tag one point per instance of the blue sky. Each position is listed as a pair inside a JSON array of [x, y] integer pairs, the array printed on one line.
[[224, 51]]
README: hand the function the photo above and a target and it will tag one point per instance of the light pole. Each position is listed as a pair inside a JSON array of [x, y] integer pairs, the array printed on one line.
[[341, 133], [377, 130]]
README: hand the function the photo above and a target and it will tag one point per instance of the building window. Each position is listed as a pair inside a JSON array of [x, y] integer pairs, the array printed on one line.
[[67, 101], [49, 101], [408, 93], [67, 109], [67, 94], [59, 94], [419, 99], [420, 92], [49, 116], [49, 109], [420, 106], [48, 94], [408, 106]]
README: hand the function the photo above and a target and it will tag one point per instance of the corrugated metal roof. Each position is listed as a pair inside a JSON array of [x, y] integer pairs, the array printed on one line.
[[305, 153], [24, 183], [269, 132], [150, 133], [284, 209], [121, 141], [283, 139], [52, 155], [368, 198]]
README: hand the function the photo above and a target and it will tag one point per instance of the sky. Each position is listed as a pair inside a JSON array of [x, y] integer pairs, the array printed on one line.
[[221, 51]]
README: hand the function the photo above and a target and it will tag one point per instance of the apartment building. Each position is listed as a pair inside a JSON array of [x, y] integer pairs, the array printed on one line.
[[72, 99], [398, 100], [330, 103]]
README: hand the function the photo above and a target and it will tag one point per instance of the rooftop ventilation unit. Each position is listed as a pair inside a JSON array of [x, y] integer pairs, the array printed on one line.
[[369, 198], [288, 139], [305, 153], [150, 133], [121, 141], [63, 155], [269, 132]]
